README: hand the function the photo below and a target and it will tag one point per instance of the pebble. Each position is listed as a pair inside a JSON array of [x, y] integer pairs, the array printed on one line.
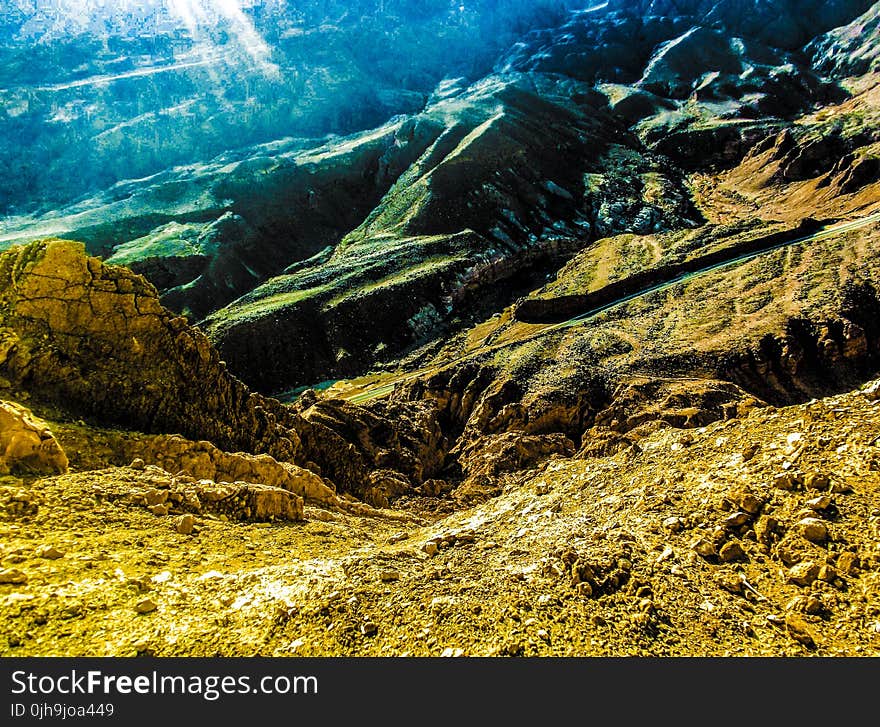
[[145, 605], [50, 553], [819, 504], [703, 547], [799, 630], [397, 538], [737, 520], [804, 573], [675, 524], [813, 529], [185, 524], [13, 576], [368, 628], [159, 510], [137, 464], [816, 481], [731, 551], [389, 576], [431, 548]]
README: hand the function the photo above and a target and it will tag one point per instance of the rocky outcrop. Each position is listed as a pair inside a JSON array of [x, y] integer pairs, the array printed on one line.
[[163, 495], [681, 403], [26, 444], [487, 458], [95, 339], [810, 358], [203, 461]]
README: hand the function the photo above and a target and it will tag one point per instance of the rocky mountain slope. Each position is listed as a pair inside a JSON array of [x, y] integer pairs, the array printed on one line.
[[752, 537], [568, 360]]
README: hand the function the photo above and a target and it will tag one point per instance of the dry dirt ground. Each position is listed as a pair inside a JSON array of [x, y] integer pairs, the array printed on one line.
[[755, 536]]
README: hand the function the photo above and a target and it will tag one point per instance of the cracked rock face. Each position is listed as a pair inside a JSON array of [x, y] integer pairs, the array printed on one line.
[[96, 339]]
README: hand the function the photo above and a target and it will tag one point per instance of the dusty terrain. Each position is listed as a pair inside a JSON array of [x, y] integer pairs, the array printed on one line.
[[755, 536]]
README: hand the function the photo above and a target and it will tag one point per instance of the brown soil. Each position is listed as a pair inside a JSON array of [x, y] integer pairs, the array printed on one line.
[[593, 556]]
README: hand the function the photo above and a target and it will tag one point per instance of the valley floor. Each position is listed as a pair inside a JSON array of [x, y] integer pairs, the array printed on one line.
[[756, 536]]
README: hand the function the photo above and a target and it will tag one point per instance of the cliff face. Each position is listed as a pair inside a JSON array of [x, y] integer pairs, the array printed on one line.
[[95, 340]]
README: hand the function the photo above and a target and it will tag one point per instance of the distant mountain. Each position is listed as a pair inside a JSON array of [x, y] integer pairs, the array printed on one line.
[[96, 92], [329, 255]]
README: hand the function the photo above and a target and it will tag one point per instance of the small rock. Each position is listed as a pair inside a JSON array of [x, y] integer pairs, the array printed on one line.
[[667, 553], [731, 551], [389, 576], [737, 520], [674, 524], [819, 504], [847, 563], [730, 582], [786, 481], [799, 630], [431, 548], [872, 390], [159, 510], [813, 605], [185, 524], [704, 547], [145, 605], [50, 553], [803, 573], [397, 538], [816, 481], [368, 628], [137, 464], [449, 652], [584, 589], [813, 529], [765, 527], [749, 452], [827, 574], [751, 503], [641, 619], [156, 497], [13, 576], [543, 635], [796, 604]]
